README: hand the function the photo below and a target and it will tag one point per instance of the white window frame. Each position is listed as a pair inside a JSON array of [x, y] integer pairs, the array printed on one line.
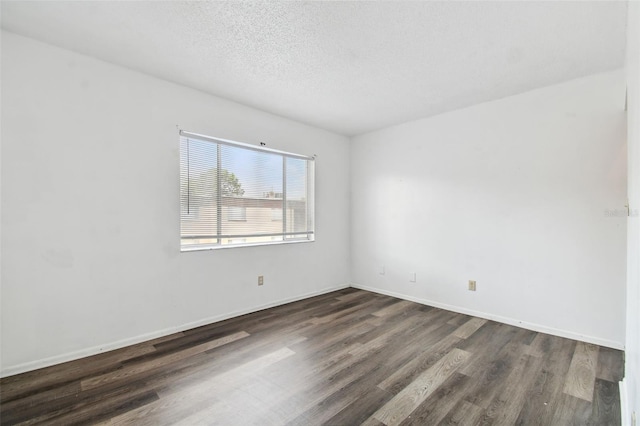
[[286, 237]]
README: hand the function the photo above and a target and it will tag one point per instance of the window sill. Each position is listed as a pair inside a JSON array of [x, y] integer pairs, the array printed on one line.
[[218, 247]]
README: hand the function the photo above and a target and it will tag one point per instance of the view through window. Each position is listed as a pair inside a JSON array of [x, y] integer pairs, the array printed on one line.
[[237, 194]]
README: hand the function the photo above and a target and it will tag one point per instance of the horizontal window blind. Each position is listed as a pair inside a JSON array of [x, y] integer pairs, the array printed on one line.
[[237, 194]]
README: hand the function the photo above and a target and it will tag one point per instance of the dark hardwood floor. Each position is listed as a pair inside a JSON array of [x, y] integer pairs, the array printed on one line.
[[345, 358]]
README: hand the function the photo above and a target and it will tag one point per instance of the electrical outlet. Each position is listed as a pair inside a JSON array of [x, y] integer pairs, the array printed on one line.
[[260, 279], [412, 277], [472, 285], [382, 270]]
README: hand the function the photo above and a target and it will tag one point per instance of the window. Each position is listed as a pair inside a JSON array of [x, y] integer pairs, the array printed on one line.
[[236, 213], [237, 194], [276, 214]]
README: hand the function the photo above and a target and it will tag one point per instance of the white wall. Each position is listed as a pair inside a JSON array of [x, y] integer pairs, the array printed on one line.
[[511, 193], [631, 385], [90, 218], [0, 199]]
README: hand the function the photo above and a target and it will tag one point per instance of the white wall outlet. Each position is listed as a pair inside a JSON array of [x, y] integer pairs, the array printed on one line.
[[381, 271], [260, 279], [472, 285], [412, 277]]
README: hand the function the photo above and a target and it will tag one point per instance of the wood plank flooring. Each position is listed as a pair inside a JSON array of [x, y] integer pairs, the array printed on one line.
[[344, 358]]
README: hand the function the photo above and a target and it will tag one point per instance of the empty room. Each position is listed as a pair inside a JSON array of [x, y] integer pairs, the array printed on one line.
[[320, 213]]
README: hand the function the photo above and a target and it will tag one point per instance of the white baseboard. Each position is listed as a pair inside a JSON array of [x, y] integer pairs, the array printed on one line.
[[71, 356], [58, 359], [624, 411], [505, 320]]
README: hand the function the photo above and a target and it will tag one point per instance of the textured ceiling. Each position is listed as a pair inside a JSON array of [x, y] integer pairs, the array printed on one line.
[[349, 67]]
